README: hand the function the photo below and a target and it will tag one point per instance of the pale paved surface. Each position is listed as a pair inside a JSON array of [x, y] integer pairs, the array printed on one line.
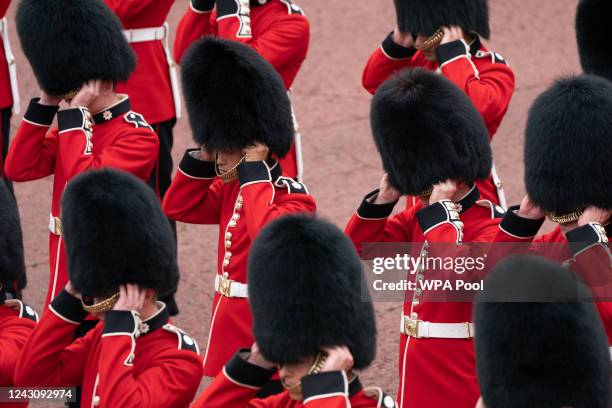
[[536, 38]]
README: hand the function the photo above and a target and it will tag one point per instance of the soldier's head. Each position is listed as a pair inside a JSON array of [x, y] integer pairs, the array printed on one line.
[[235, 99], [568, 141], [592, 24], [424, 19], [116, 234], [70, 42], [12, 262], [539, 339], [305, 292], [427, 131]]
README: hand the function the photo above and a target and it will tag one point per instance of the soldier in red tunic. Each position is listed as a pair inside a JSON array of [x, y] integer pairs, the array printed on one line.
[[9, 104], [446, 37], [309, 318], [538, 342], [16, 319], [121, 258], [277, 29], [567, 142], [240, 116], [97, 128], [155, 79], [439, 161]]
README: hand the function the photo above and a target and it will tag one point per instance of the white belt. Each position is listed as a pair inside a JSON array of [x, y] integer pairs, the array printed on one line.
[[297, 141], [12, 65], [229, 288], [55, 225], [420, 329], [139, 35]]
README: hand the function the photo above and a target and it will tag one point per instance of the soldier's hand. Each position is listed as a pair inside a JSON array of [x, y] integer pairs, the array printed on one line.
[[258, 359], [72, 291], [50, 100], [444, 190], [404, 39], [594, 214], [338, 359], [257, 152], [529, 210], [88, 92], [387, 193], [131, 297], [451, 34]]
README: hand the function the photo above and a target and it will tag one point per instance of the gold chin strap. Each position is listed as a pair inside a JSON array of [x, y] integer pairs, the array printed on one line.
[[103, 306], [566, 218], [315, 368], [231, 174], [71, 94], [432, 41], [426, 193]]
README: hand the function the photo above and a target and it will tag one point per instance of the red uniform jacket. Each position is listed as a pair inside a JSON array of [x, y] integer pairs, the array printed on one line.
[[123, 362], [585, 250], [433, 372], [482, 74], [277, 29], [239, 382], [151, 79], [241, 209], [6, 95], [116, 137], [16, 324]]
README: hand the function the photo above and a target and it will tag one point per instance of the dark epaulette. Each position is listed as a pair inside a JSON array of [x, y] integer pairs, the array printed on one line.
[[293, 8], [136, 119], [293, 187], [384, 400], [497, 211], [495, 57], [185, 342], [25, 311]]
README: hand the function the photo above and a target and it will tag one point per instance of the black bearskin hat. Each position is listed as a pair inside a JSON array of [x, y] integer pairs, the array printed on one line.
[[235, 98], [305, 291], [592, 22], [12, 262], [116, 233], [427, 130], [539, 342], [568, 144], [69, 42], [426, 16]]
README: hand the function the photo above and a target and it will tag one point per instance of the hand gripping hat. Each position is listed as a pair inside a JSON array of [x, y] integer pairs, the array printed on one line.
[[427, 130], [592, 26], [116, 233], [235, 98], [568, 143], [427, 16], [537, 345], [12, 263], [305, 291], [69, 42]]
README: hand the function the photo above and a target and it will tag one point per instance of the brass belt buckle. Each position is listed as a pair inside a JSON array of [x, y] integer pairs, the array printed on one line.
[[411, 327], [225, 285]]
